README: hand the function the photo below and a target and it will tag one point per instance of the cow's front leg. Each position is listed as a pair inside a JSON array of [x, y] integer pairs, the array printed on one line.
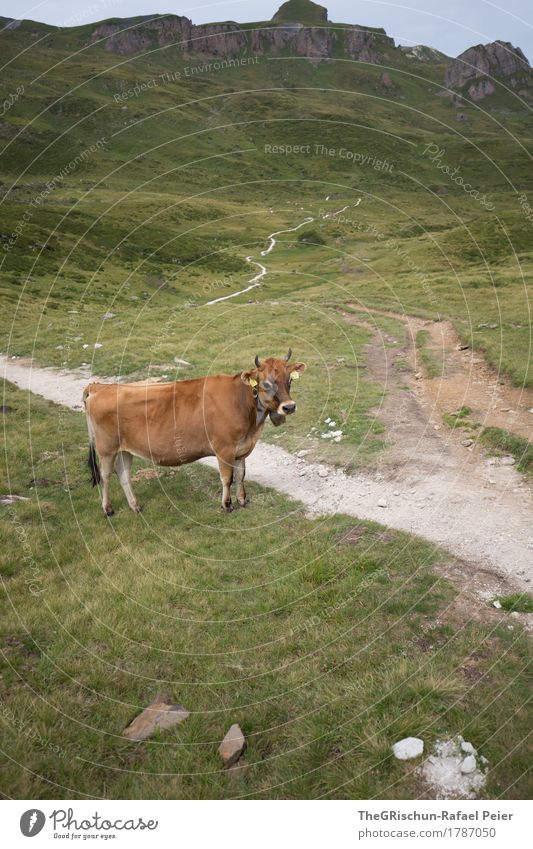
[[240, 471], [226, 476]]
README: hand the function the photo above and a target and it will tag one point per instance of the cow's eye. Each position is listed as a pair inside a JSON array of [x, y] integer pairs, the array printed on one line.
[[267, 385]]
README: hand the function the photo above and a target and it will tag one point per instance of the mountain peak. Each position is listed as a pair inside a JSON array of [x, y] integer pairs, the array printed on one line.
[[302, 12]]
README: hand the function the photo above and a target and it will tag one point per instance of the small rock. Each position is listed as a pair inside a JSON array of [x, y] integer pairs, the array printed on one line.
[[507, 461], [409, 747], [497, 604], [382, 503], [467, 748], [463, 347], [180, 362], [40, 482], [5, 500], [232, 746], [468, 765], [107, 315], [467, 442], [97, 344], [323, 472], [418, 375], [158, 716]]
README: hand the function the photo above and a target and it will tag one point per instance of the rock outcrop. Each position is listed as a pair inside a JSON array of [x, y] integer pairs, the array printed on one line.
[[478, 65], [308, 35]]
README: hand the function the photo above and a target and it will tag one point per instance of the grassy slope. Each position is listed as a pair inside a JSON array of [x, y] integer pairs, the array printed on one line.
[[324, 653], [169, 199]]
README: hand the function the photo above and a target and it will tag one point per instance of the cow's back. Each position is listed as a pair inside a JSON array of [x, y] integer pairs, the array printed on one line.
[[169, 423]]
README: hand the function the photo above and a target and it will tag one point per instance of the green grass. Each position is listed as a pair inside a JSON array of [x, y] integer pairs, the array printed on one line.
[[519, 602], [501, 442], [222, 612], [325, 653], [432, 366]]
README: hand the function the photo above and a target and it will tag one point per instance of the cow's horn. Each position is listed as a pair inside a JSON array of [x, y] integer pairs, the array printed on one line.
[[258, 364], [289, 355]]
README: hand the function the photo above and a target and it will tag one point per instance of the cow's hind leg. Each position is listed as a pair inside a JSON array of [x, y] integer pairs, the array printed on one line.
[[107, 463], [240, 471], [123, 468], [226, 476]]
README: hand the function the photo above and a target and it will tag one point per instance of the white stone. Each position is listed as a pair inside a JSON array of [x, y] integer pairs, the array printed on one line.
[[409, 747], [496, 604], [468, 765], [383, 503], [467, 748]]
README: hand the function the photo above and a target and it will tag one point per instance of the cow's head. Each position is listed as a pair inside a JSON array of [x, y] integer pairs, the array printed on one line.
[[271, 383]]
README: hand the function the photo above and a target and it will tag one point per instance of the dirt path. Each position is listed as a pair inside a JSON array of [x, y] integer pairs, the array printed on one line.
[[426, 485]]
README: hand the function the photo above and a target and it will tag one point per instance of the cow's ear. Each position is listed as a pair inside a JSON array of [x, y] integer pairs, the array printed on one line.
[[249, 377], [299, 368]]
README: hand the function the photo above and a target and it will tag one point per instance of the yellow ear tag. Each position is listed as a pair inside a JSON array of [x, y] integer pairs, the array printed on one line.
[[295, 375], [252, 382]]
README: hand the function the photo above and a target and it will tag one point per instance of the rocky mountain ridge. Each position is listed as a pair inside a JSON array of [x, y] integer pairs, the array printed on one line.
[[302, 28]]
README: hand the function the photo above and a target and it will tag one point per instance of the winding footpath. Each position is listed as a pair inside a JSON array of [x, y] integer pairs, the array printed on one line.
[[256, 280], [481, 512]]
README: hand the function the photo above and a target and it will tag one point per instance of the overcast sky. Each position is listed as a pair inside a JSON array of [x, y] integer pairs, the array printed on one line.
[[451, 27]]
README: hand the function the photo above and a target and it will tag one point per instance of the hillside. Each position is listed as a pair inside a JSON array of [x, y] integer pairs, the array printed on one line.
[[141, 160]]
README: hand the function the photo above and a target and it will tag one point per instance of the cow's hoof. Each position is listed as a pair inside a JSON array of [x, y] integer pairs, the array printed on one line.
[[245, 503], [228, 508], [109, 512]]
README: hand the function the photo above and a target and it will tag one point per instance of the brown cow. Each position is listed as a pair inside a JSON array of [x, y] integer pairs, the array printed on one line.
[[176, 423]]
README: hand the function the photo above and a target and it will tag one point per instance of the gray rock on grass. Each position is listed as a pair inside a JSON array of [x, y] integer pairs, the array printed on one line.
[[158, 716], [232, 746]]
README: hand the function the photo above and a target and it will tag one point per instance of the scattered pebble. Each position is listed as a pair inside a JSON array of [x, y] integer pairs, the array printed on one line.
[[449, 774], [232, 746], [409, 747], [383, 503], [468, 765], [158, 716], [497, 604], [5, 500]]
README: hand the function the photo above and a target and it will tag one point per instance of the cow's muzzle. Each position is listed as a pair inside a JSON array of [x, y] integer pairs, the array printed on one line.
[[287, 408]]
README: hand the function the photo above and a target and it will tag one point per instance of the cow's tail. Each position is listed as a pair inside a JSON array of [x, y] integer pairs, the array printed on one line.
[[92, 460]]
